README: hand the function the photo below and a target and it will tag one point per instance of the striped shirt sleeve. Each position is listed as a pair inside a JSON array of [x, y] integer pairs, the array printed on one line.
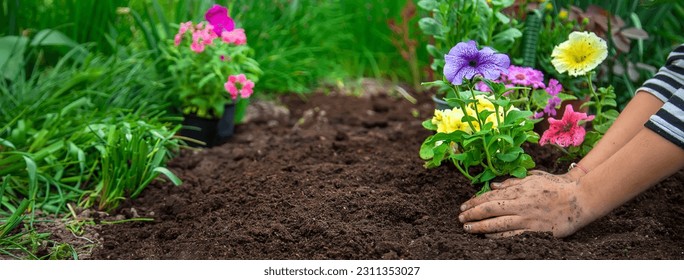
[[668, 86]]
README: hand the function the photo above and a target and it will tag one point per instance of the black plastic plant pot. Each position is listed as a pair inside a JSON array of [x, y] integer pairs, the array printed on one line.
[[212, 132]]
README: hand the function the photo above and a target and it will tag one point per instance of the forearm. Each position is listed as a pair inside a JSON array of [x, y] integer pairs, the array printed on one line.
[[625, 127], [644, 161]]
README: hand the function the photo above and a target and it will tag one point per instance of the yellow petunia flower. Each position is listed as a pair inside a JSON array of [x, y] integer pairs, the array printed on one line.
[[581, 53], [484, 104], [448, 121]]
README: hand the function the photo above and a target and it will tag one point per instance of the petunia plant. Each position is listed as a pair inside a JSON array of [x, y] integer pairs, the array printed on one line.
[[483, 133], [579, 56], [211, 64]]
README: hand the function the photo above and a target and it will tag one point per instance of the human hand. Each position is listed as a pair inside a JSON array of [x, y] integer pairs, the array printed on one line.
[[539, 202]]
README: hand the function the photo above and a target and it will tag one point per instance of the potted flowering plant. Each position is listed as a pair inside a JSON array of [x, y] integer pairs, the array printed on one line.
[[483, 132], [214, 75]]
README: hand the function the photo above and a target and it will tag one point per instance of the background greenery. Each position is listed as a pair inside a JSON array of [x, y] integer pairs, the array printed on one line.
[[81, 78]]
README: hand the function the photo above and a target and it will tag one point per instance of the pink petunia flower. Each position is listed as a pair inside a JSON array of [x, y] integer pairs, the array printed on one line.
[[236, 36], [536, 77], [524, 76], [197, 47], [239, 84], [184, 27], [566, 131]]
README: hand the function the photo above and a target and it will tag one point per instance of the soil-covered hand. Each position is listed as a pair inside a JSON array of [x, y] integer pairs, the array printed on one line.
[[539, 202]]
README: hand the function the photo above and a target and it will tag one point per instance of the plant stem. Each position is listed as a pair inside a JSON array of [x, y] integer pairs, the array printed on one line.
[[489, 157], [463, 171], [596, 97]]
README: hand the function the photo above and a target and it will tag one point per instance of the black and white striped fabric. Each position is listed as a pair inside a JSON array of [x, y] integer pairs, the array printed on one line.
[[668, 86]]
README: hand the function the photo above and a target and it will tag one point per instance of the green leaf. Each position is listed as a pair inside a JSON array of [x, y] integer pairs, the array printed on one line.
[[163, 170], [587, 104], [12, 55], [427, 124], [511, 155], [526, 161], [438, 83], [50, 37], [603, 128], [611, 114], [426, 149], [440, 152], [507, 157], [486, 176], [430, 26], [515, 116], [539, 98], [470, 140], [502, 18], [519, 172], [6, 143], [428, 5], [566, 97], [504, 40], [433, 51]]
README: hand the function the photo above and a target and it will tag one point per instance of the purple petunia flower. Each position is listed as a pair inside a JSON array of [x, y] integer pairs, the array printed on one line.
[[550, 108], [554, 87], [464, 61], [218, 17]]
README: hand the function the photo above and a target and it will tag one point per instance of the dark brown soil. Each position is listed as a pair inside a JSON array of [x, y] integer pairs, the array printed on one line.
[[339, 177]]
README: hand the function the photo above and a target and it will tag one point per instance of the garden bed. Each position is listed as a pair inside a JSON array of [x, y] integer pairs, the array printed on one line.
[[339, 177]]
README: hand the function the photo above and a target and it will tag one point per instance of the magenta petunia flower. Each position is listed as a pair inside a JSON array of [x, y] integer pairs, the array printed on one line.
[[465, 61], [566, 131], [218, 17]]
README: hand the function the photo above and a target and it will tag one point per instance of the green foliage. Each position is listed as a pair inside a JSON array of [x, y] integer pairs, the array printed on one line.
[[84, 21], [50, 149], [297, 43], [132, 153], [453, 21]]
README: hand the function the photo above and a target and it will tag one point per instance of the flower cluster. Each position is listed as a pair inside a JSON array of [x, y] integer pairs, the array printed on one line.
[[527, 88], [450, 120], [579, 56], [239, 84], [211, 64], [483, 128]]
